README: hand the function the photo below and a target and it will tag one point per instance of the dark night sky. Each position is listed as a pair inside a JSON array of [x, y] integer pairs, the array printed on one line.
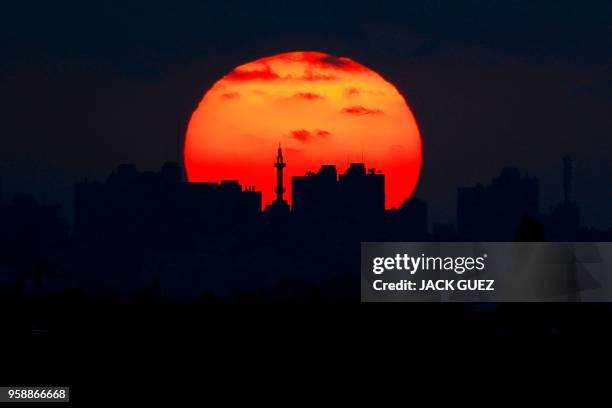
[[87, 85]]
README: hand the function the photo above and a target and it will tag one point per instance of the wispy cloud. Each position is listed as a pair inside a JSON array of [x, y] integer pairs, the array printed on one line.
[[310, 75], [352, 91], [332, 62], [360, 111], [230, 95], [309, 96], [304, 135], [265, 73]]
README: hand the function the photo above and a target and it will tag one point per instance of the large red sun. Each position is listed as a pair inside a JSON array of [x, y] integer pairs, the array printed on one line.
[[322, 109]]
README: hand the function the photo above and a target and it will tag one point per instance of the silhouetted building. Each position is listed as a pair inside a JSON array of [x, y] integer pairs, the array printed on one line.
[[34, 226], [362, 194], [30, 233], [494, 212], [220, 202], [409, 222], [563, 221], [316, 193], [530, 230], [356, 194], [443, 232], [160, 206], [413, 215]]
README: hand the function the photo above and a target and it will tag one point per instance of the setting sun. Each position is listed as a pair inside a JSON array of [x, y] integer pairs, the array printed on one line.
[[322, 109]]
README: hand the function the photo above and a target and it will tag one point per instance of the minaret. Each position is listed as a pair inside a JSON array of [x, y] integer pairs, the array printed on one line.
[[278, 210], [280, 165]]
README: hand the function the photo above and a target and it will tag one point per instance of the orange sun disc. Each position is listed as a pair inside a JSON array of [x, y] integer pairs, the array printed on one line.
[[322, 109]]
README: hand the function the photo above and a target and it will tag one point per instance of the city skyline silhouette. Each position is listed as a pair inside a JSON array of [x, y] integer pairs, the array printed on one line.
[[139, 221]]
